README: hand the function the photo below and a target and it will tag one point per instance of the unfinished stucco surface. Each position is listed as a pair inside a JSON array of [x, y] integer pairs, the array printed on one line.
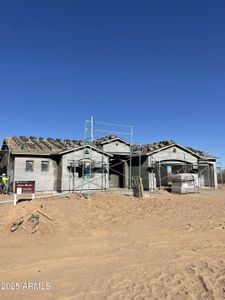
[[111, 151], [116, 147], [98, 181], [174, 153], [44, 181]]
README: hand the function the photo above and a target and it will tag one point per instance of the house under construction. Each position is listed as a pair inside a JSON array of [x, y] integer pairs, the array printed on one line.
[[107, 163]]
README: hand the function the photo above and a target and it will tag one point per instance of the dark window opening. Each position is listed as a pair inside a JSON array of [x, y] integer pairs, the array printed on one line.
[[86, 169], [44, 166], [29, 166]]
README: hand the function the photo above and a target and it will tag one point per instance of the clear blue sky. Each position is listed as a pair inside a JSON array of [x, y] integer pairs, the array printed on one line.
[[158, 65]]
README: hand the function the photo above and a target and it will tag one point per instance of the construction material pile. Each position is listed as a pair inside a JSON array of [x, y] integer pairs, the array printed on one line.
[[184, 183], [29, 222]]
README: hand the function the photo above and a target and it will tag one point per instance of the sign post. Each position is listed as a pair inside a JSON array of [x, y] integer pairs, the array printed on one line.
[[24, 187]]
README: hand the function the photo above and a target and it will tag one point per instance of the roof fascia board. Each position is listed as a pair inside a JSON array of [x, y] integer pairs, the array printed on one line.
[[116, 139], [198, 155], [172, 145], [160, 149], [31, 154], [79, 148]]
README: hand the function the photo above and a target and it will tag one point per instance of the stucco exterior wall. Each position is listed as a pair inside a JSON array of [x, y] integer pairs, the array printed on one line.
[[116, 147], [174, 153], [59, 177], [44, 181], [74, 182]]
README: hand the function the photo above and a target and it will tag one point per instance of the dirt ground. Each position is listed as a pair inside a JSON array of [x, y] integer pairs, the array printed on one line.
[[167, 246], [7, 197]]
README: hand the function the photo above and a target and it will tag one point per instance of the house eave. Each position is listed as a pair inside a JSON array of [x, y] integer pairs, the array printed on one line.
[[160, 149], [82, 147], [183, 148], [32, 154], [114, 140]]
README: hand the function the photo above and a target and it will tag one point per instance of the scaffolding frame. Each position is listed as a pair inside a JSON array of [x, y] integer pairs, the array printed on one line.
[[92, 127]]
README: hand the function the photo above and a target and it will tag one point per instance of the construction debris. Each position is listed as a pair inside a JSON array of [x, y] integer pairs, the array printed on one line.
[[16, 224], [137, 187], [28, 224], [45, 215]]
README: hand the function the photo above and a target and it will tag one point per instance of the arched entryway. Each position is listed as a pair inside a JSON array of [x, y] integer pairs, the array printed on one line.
[[165, 169]]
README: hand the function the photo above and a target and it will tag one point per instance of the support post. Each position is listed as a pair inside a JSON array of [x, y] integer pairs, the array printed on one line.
[[160, 175], [209, 179], [130, 175], [215, 176], [15, 199], [126, 174], [8, 170]]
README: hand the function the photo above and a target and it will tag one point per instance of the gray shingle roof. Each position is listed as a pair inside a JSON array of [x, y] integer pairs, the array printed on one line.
[[23, 144], [39, 145], [155, 146]]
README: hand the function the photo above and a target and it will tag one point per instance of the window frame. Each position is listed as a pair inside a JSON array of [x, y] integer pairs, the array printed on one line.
[[27, 168], [86, 169], [44, 161]]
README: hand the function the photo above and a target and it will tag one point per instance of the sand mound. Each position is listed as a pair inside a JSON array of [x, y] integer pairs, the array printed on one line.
[[109, 247], [194, 280]]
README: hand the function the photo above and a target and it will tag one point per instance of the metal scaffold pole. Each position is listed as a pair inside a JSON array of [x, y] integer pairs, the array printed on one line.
[[93, 127], [84, 157], [131, 154], [139, 168], [91, 146], [139, 161], [137, 180]]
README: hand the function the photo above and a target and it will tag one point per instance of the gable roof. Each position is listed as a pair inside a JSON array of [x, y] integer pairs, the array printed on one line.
[[41, 146], [87, 146], [34, 145], [110, 139], [149, 149], [50, 146]]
